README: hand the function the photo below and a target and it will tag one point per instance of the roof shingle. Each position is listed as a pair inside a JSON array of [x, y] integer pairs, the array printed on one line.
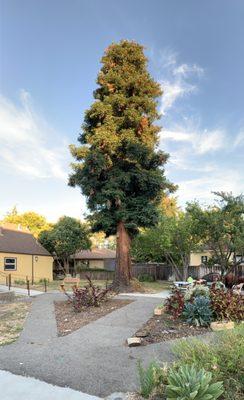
[[12, 241]]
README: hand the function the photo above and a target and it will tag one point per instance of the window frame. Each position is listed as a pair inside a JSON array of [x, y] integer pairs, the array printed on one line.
[[15, 263], [206, 259]]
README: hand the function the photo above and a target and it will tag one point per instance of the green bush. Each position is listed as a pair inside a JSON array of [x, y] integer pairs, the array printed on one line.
[[146, 278], [195, 291], [190, 383], [151, 379], [19, 281], [224, 358], [199, 312]]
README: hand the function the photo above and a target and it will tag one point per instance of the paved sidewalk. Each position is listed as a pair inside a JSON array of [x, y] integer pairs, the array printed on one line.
[[20, 291], [159, 295], [14, 387], [94, 359]]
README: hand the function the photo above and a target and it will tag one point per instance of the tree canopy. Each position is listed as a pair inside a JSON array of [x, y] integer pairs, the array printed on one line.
[[36, 223], [221, 229], [66, 237]]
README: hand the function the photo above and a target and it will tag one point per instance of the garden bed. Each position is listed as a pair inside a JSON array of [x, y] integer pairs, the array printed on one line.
[[161, 328], [68, 320]]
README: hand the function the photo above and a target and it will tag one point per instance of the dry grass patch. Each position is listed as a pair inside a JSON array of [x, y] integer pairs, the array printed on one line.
[[12, 318]]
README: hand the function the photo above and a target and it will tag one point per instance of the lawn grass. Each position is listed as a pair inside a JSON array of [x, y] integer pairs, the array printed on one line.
[[150, 287], [12, 318]]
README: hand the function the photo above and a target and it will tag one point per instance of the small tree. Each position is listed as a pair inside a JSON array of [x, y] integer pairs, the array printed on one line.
[[171, 241], [66, 237], [221, 228], [118, 167]]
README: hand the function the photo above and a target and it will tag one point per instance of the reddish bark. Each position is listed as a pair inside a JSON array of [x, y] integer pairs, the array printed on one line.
[[123, 259]]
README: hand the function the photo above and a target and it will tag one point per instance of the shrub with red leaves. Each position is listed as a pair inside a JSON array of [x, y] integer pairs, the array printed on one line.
[[175, 303], [227, 305], [88, 296]]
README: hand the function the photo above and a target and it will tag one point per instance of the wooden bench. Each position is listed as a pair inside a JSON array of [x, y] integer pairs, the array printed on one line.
[[69, 279]]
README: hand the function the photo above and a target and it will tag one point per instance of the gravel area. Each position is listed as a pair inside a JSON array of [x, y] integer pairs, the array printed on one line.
[[161, 328], [68, 320]]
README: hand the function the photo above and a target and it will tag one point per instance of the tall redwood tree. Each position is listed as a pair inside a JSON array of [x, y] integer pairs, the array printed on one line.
[[117, 165]]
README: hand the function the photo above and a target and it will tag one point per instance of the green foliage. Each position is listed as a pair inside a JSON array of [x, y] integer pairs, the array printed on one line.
[[151, 378], [171, 241], [221, 228], [117, 166], [146, 278], [224, 358], [19, 281], [31, 220], [227, 305], [190, 383], [66, 237], [198, 312], [195, 291]]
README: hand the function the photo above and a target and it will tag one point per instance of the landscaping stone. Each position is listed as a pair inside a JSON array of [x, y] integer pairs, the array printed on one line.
[[134, 341], [159, 311], [220, 326]]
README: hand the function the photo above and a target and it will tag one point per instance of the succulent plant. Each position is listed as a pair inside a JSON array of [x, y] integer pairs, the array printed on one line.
[[189, 383], [199, 312]]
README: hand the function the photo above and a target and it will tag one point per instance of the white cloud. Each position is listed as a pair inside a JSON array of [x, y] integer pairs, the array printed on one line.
[[26, 141], [186, 69], [201, 188], [177, 83], [239, 140], [201, 142]]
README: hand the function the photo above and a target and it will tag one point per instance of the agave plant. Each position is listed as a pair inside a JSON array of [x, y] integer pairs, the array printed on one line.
[[199, 312], [189, 383]]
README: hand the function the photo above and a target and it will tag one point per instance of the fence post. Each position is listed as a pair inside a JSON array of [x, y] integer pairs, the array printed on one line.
[[9, 281], [45, 285], [28, 286], [6, 280]]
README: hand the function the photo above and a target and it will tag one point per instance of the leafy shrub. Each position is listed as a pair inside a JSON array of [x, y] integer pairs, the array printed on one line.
[[195, 291], [19, 282], [87, 296], [146, 278], [199, 312], [224, 358], [152, 379], [190, 383], [227, 305], [174, 304], [43, 280]]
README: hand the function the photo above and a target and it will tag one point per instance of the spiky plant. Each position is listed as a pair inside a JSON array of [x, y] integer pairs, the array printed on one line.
[[189, 383]]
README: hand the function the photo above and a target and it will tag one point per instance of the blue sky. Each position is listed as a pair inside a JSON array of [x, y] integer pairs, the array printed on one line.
[[49, 59]]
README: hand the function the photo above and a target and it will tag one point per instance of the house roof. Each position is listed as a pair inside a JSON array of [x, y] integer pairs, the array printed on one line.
[[95, 254], [13, 241]]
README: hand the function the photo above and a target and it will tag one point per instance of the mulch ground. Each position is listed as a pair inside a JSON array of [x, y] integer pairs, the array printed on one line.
[[161, 328], [69, 320]]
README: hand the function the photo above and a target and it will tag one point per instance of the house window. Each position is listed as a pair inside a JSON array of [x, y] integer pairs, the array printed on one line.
[[204, 259], [10, 264]]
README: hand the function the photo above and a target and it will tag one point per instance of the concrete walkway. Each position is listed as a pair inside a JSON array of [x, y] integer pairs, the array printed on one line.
[[21, 291], [159, 295], [14, 387], [94, 359]]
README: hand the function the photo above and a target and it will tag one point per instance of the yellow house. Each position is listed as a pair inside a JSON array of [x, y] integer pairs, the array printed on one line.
[[199, 258], [103, 259], [21, 255]]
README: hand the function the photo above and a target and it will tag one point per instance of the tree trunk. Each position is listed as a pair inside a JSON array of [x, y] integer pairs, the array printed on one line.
[[123, 259], [66, 265]]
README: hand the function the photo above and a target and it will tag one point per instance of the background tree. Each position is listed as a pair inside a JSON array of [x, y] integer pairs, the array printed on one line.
[[36, 223], [66, 237], [221, 228], [171, 241], [118, 168]]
